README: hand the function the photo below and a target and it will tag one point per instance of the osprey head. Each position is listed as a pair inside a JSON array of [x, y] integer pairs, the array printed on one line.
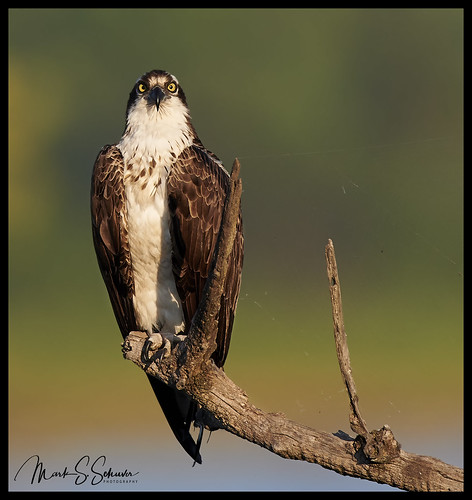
[[157, 91], [157, 118]]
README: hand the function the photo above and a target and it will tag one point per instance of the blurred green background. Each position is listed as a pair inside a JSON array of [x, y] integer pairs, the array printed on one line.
[[348, 125]]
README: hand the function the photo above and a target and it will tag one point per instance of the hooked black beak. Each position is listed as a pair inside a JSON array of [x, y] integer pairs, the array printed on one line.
[[155, 97]]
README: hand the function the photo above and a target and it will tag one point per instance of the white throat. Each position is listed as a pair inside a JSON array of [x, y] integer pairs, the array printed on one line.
[[158, 134]]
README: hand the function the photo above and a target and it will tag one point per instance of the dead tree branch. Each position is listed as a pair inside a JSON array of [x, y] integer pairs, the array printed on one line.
[[378, 446], [358, 424], [375, 456]]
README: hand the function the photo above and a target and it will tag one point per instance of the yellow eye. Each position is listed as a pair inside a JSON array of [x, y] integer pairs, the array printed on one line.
[[172, 87], [142, 87]]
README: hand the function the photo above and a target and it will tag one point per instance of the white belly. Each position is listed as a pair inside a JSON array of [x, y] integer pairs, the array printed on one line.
[[156, 301]]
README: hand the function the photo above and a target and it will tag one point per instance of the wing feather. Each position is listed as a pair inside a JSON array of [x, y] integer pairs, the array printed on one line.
[[197, 188], [110, 237]]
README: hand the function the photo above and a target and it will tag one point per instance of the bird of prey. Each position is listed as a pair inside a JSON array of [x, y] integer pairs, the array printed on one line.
[[157, 200]]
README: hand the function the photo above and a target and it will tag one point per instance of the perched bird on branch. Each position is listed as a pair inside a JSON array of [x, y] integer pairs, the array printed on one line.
[[157, 201]]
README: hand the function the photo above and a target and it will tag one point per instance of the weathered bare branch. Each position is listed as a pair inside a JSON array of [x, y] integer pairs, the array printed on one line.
[[358, 424], [229, 404], [378, 446], [375, 456]]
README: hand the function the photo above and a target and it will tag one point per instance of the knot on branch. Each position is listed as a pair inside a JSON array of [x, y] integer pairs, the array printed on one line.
[[379, 447]]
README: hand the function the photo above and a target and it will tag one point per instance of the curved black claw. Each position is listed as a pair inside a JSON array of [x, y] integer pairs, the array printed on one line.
[[199, 442], [150, 354]]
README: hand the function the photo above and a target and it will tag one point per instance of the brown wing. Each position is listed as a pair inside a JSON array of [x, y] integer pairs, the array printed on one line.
[[197, 187], [110, 236]]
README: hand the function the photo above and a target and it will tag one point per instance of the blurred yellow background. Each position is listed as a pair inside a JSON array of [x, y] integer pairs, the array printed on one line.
[[348, 125]]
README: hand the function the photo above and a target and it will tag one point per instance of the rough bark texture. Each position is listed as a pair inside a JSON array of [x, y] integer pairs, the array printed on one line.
[[374, 455]]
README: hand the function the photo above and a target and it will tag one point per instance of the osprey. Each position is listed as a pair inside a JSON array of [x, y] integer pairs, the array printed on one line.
[[157, 200]]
